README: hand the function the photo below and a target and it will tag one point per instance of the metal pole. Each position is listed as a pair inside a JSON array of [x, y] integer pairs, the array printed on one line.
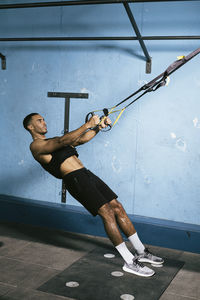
[[99, 38], [66, 129], [80, 2]]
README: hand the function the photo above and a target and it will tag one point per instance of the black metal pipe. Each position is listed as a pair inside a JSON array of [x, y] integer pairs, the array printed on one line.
[[109, 38], [3, 61], [79, 2], [137, 32]]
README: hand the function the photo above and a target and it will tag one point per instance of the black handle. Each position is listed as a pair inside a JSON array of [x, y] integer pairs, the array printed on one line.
[[109, 127], [88, 116]]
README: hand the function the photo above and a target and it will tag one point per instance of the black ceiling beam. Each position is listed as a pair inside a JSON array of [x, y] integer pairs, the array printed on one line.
[[99, 38], [79, 2]]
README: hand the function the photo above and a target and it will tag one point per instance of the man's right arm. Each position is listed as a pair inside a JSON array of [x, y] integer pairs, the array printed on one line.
[[40, 146]]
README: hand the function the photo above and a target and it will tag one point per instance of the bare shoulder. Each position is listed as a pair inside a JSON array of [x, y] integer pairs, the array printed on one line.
[[37, 144], [44, 146]]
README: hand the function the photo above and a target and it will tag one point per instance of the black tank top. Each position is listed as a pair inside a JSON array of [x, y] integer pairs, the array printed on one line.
[[58, 157]]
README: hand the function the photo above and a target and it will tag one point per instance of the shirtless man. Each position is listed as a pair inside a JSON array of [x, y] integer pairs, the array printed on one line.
[[59, 157]]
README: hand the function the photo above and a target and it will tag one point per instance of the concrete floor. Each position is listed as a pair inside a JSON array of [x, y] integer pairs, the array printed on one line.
[[31, 256]]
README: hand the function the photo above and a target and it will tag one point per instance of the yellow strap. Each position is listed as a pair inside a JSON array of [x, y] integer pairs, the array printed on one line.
[[102, 120], [118, 116], [111, 110], [180, 57], [97, 110]]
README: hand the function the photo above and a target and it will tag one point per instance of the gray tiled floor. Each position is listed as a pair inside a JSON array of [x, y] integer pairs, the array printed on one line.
[[31, 256]]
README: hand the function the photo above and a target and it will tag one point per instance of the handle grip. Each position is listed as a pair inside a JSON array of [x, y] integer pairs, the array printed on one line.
[[91, 114]]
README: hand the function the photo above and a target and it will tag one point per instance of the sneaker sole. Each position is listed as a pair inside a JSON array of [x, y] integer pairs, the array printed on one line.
[[145, 260], [136, 273]]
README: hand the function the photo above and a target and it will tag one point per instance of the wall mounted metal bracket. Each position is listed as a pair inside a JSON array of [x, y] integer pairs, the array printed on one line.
[[67, 97], [137, 32], [3, 61]]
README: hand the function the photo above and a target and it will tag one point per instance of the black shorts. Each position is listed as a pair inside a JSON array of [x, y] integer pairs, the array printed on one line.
[[88, 189]]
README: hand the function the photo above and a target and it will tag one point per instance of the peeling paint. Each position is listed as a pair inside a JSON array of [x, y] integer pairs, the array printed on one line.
[[91, 97], [181, 144], [116, 165], [106, 144], [2, 86], [147, 179], [33, 67], [196, 123], [21, 162], [173, 135]]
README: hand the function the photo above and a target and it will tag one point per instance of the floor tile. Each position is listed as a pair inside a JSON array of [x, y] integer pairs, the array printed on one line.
[[29, 294], [186, 283], [5, 288], [10, 244], [18, 273], [168, 296], [47, 255]]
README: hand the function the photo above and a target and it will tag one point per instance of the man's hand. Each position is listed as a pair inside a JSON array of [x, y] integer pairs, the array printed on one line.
[[105, 122], [93, 121]]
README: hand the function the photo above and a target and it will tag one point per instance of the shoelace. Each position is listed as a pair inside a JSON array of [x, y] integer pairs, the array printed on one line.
[[136, 262], [147, 252]]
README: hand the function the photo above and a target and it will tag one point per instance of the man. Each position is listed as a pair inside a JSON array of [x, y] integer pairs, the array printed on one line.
[[59, 157]]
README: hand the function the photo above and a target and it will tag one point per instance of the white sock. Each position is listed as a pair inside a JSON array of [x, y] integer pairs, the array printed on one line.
[[125, 253], [137, 244]]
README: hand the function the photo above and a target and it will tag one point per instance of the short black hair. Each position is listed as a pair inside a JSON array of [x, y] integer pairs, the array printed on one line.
[[27, 120]]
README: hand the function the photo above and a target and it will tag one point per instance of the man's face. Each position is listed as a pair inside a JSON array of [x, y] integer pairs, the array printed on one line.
[[38, 125]]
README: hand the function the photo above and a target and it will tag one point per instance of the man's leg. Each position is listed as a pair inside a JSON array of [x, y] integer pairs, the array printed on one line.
[[131, 265], [129, 230], [108, 217]]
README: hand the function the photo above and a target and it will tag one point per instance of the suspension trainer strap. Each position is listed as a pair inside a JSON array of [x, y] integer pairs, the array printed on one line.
[[161, 79], [153, 85]]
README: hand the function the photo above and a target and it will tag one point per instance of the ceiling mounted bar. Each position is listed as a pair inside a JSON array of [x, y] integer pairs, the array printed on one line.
[[99, 38], [137, 32], [79, 2]]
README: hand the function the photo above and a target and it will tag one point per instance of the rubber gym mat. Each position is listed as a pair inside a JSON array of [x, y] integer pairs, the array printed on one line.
[[92, 278]]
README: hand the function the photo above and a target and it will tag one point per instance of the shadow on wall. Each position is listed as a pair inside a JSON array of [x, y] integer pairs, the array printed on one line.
[[163, 47], [80, 47], [11, 183]]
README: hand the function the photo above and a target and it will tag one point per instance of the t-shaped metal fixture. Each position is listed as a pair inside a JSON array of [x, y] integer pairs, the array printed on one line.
[[67, 97]]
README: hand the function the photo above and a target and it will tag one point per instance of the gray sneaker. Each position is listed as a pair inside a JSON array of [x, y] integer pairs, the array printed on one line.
[[148, 257], [138, 268]]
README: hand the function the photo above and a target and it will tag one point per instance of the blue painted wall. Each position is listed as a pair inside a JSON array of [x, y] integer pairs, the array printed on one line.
[[151, 158]]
